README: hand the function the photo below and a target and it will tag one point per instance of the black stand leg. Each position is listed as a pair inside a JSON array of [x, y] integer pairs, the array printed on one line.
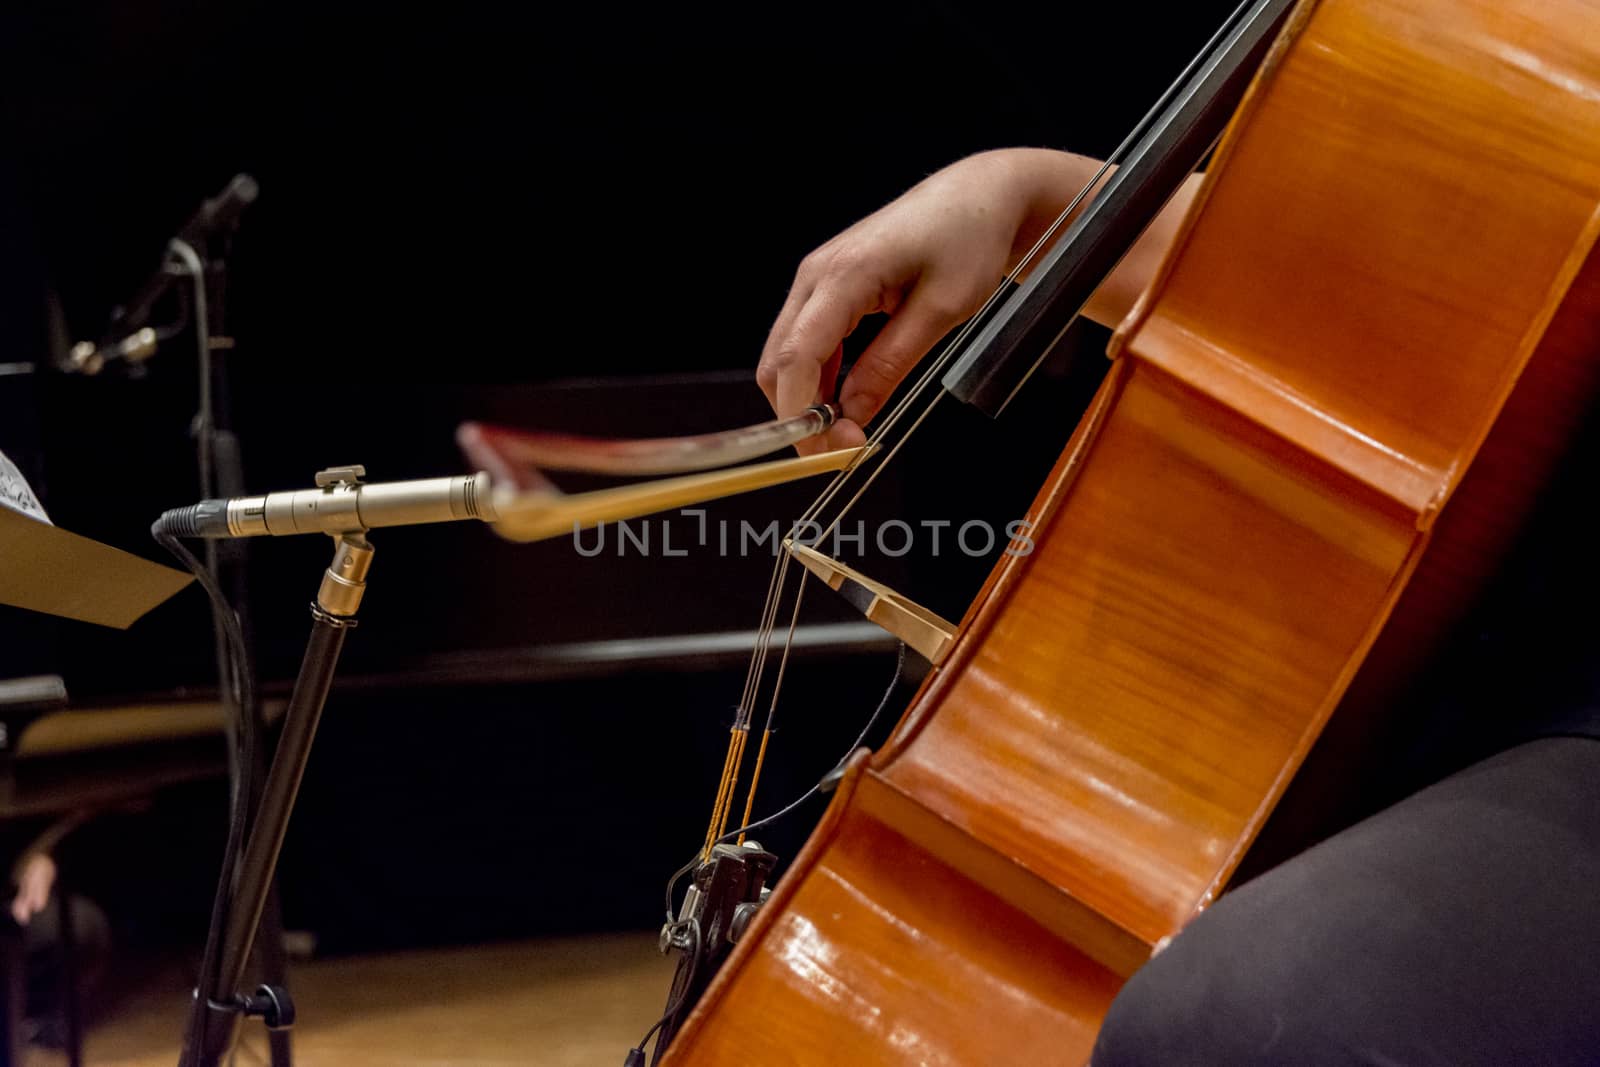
[[222, 474], [13, 963], [271, 963], [274, 965], [215, 1013], [71, 1009]]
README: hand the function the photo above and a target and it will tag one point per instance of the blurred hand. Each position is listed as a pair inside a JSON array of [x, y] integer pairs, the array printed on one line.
[[36, 877]]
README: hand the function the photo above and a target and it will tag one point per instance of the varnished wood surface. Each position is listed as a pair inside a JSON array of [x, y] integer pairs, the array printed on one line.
[[570, 1002], [1295, 399]]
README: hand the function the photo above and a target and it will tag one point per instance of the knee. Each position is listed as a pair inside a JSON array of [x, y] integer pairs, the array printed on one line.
[[1167, 1006], [1221, 994]]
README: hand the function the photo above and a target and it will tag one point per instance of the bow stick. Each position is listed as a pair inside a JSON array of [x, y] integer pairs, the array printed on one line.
[[531, 508]]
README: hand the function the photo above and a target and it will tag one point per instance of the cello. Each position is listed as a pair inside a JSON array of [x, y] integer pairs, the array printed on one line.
[[1320, 428]]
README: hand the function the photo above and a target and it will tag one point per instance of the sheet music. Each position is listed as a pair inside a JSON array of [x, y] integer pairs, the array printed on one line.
[[16, 494]]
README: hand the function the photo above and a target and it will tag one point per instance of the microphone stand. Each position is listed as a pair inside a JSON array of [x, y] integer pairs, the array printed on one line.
[[218, 1005], [201, 251], [198, 255]]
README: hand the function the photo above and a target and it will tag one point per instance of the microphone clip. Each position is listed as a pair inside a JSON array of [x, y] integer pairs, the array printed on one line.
[[336, 477]]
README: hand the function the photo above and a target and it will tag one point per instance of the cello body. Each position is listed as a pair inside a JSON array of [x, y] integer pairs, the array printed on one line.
[[1322, 424]]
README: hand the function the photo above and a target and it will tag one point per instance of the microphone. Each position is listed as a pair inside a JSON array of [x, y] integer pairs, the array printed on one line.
[[214, 216], [126, 338], [340, 504], [220, 212], [86, 357]]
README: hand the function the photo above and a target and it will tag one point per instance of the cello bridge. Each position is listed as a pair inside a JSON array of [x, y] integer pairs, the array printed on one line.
[[922, 630]]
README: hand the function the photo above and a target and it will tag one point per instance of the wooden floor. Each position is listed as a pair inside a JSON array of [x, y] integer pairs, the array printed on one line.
[[579, 1002]]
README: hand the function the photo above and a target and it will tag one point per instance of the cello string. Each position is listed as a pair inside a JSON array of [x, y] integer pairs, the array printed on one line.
[[755, 777], [727, 798], [950, 350], [733, 767], [763, 633], [837, 484], [751, 689], [748, 711], [761, 651], [935, 367], [722, 786], [872, 720], [1146, 122], [777, 687], [762, 648], [725, 795], [956, 345], [772, 708], [767, 820], [733, 764], [746, 702]]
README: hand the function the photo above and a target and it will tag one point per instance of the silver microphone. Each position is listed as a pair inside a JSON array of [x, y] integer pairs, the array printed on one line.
[[341, 503]]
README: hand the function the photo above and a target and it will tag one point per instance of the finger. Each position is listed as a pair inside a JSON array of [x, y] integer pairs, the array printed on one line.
[[805, 364], [19, 911], [826, 320], [927, 315], [843, 434], [828, 387], [782, 326], [29, 901]]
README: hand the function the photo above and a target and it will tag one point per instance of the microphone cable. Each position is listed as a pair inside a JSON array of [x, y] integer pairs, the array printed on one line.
[[243, 673]]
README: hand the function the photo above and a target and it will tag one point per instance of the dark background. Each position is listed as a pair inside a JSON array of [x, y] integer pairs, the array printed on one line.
[[572, 216]]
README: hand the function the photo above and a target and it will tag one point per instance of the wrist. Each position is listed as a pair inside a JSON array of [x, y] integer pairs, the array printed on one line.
[[1038, 183]]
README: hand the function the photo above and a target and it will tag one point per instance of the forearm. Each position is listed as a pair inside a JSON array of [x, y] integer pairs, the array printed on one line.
[[1047, 181]]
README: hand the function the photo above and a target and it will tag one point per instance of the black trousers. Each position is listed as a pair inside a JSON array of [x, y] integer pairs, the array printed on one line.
[[1461, 926]]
